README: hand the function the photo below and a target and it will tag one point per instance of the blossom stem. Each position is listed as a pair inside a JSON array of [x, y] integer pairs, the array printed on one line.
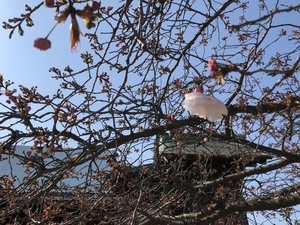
[[51, 30]]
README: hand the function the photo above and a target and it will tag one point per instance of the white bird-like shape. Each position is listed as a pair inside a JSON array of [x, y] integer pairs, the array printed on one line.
[[204, 106]]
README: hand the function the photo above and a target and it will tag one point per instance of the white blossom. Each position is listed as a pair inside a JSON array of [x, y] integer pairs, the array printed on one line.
[[204, 106]]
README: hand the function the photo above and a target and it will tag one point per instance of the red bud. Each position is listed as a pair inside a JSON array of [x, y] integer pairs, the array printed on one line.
[[96, 5], [49, 3], [42, 44]]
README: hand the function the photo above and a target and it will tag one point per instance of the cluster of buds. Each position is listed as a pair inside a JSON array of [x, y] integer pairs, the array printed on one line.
[[19, 102], [216, 71], [87, 14], [219, 71]]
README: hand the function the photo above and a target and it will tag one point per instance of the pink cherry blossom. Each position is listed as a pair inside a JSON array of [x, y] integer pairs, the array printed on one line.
[[204, 106], [213, 66], [42, 44]]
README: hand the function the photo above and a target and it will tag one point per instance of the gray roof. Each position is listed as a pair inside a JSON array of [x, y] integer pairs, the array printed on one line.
[[213, 147]]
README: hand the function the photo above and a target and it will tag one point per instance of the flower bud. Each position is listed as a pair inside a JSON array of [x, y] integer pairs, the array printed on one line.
[[42, 44], [28, 153], [199, 89], [96, 5], [49, 3]]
